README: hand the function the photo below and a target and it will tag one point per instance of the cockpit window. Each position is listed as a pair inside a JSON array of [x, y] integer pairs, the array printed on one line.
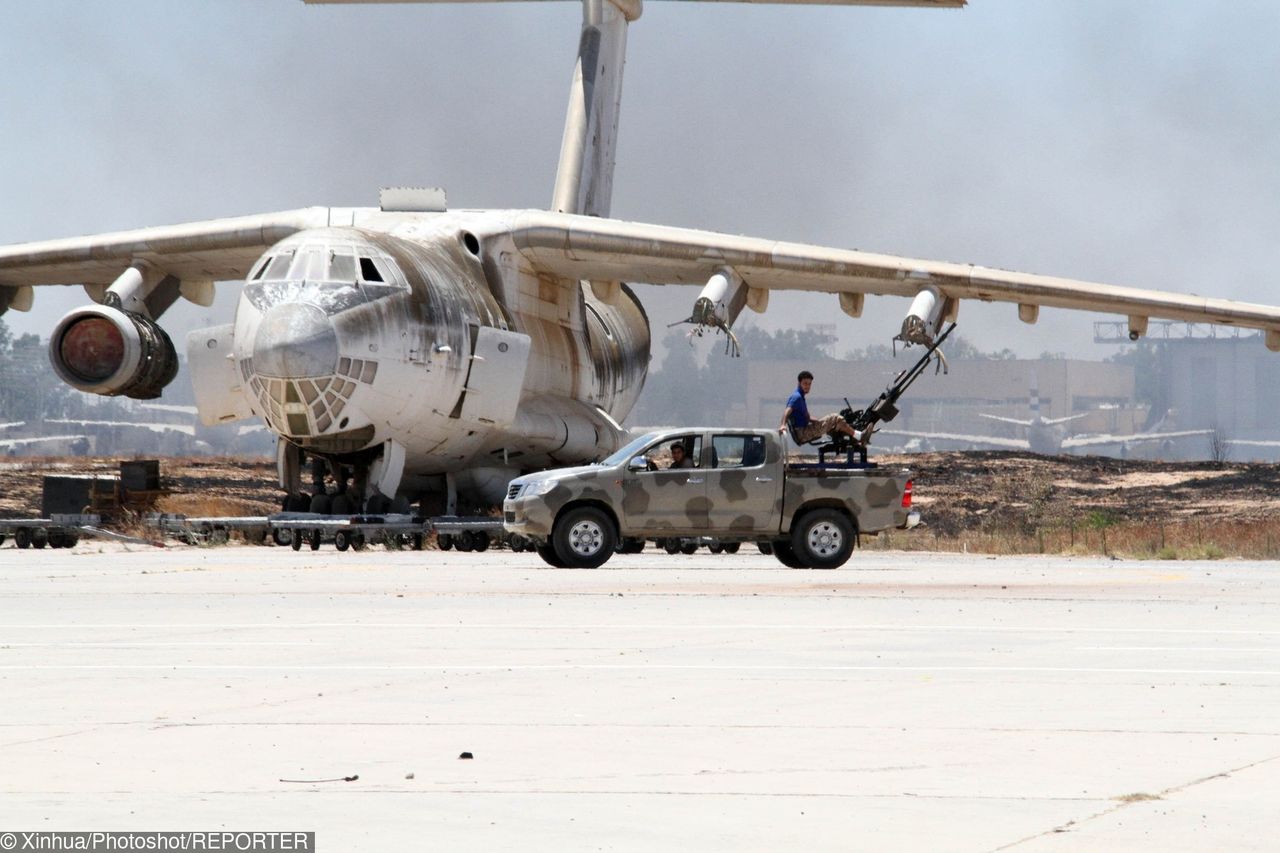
[[310, 265], [260, 269], [368, 271], [342, 268], [278, 269]]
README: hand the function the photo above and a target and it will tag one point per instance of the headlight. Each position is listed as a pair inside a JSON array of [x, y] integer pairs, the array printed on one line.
[[537, 487]]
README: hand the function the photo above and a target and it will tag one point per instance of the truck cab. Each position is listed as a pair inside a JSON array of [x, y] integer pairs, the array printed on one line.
[[733, 484]]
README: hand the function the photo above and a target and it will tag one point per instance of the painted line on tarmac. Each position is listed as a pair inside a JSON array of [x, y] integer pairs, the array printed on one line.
[[446, 667], [614, 626]]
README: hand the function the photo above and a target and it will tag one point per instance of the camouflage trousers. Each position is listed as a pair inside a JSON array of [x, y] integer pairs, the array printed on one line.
[[818, 427]]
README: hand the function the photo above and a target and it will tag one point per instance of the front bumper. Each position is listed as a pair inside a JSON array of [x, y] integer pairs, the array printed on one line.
[[528, 517]]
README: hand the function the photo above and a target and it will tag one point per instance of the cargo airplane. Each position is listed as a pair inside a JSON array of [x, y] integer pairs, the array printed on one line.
[[429, 352]]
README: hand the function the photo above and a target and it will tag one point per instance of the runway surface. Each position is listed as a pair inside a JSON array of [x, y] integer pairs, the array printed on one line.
[[904, 702]]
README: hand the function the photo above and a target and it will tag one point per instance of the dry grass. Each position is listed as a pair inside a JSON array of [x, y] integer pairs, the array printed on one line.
[[1103, 536], [202, 505]]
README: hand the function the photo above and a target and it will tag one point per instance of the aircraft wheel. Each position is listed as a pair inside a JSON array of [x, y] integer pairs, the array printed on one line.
[[630, 545], [341, 505], [322, 504], [22, 538], [823, 538], [39, 537], [583, 538], [341, 540]]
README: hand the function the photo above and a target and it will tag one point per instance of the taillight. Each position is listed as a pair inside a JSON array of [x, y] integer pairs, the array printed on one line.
[[906, 495]]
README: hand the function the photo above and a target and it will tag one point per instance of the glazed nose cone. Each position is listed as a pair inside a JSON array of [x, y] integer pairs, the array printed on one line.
[[295, 340]]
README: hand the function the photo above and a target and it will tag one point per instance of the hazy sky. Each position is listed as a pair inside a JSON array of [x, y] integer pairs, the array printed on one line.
[[1126, 142]]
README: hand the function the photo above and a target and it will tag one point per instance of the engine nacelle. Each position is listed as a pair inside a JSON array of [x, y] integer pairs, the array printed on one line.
[[103, 350]]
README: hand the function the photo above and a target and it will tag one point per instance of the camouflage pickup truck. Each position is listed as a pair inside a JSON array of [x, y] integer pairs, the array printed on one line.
[[731, 484]]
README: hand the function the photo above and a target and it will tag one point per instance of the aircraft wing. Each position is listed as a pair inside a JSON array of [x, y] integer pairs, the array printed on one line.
[[986, 440], [12, 425], [609, 250], [1003, 419], [212, 250], [185, 429], [1136, 438], [1054, 421], [14, 443]]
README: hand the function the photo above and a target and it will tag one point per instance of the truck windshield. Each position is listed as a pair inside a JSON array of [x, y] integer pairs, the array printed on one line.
[[629, 449]]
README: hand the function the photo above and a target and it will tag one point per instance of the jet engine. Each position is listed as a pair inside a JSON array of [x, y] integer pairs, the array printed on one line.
[[103, 350]]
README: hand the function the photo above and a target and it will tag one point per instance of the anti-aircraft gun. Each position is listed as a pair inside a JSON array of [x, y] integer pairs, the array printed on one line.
[[885, 407]]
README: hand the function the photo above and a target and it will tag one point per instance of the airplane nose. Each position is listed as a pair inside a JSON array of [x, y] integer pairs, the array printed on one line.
[[295, 340]]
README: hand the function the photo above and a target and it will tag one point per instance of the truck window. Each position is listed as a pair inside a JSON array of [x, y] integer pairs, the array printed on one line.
[[664, 452], [737, 451]]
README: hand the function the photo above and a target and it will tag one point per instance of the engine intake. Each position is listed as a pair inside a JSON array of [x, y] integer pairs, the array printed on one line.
[[102, 350]]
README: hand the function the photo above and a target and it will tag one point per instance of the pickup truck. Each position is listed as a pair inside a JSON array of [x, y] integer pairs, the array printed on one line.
[[735, 485]]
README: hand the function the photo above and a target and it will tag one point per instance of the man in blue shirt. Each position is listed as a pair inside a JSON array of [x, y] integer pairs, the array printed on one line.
[[807, 428]]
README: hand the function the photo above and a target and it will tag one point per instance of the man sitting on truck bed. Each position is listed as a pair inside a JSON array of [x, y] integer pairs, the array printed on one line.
[[806, 428]]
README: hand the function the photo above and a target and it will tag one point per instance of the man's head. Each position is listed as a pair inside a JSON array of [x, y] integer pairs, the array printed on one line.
[[804, 380], [677, 452]]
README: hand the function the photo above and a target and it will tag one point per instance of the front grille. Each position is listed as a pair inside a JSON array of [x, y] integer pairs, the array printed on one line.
[[509, 517], [514, 490]]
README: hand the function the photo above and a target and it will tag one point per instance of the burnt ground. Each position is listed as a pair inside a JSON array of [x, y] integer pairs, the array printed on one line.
[[957, 492]]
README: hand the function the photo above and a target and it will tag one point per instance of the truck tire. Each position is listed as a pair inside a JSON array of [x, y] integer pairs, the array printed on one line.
[[295, 538], [548, 554], [39, 537], [22, 538], [358, 542], [784, 553], [731, 548], [482, 540], [583, 538], [823, 538], [671, 546], [315, 539], [281, 535], [341, 540], [444, 541], [689, 547]]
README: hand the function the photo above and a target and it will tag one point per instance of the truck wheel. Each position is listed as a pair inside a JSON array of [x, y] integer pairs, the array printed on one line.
[[444, 541], [357, 541], [731, 548], [823, 538], [688, 547], [466, 541], [548, 554], [281, 536], [715, 548], [295, 539], [671, 546], [787, 556], [315, 540], [482, 541], [765, 548], [22, 538], [39, 537], [341, 540], [583, 538]]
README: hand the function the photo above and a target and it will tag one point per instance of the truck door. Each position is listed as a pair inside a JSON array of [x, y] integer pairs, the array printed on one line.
[[671, 497], [742, 489]]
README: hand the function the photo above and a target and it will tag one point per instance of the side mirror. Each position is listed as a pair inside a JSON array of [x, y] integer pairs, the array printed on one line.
[[638, 463]]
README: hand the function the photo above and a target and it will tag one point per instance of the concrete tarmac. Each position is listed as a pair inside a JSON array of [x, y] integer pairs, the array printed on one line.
[[904, 702]]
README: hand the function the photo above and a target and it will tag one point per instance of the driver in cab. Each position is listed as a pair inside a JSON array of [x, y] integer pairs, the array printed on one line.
[[678, 457]]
